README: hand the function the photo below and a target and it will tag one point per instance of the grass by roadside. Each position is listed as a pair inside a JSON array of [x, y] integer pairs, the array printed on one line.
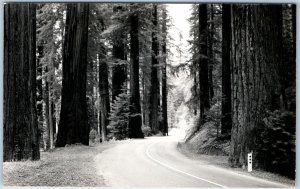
[[222, 161], [68, 166]]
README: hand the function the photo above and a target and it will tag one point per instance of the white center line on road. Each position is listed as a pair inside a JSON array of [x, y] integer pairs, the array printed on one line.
[[179, 171]]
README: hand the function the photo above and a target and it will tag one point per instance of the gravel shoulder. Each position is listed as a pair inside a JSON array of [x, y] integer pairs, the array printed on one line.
[[68, 166], [222, 161]]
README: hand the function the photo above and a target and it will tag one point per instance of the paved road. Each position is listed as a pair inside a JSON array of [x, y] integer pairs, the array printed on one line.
[[155, 162]]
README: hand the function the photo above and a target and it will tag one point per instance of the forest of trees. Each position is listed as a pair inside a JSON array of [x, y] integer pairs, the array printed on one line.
[[84, 63], [80, 71], [244, 72]]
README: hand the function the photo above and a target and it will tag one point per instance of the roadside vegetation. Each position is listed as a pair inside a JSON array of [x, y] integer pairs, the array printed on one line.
[[69, 166]]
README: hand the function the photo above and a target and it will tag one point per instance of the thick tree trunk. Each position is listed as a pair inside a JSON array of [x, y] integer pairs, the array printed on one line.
[[294, 30], [104, 96], [154, 91], [203, 63], [20, 116], [164, 76], [226, 120], [135, 120], [256, 57], [73, 127]]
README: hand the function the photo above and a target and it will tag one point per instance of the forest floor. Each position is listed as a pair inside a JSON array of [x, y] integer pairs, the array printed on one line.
[[69, 166], [213, 152]]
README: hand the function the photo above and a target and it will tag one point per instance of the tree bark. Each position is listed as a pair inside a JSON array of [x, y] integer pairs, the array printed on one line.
[[164, 75], [73, 127], [51, 131], [119, 75], [154, 91], [203, 62], [104, 96], [119, 70], [135, 120], [256, 58], [20, 130], [294, 30], [211, 53], [226, 120]]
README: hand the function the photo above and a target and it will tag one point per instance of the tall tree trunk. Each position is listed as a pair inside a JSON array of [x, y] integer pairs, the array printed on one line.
[[73, 127], [20, 130], [154, 91], [104, 96], [51, 139], [195, 87], [39, 96], [46, 128], [226, 120], [211, 53], [203, 62], [135, 120], [98, 102], [119, 71], [164, 75], [294, 30], [53, 108], [256, 58]]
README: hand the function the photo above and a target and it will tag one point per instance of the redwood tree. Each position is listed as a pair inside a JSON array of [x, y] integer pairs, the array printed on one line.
[[20, 130], [226, 120], [256, 57], [203, 62], [135, 120], [73, 127], [119, 69], [104, 95], [164, 75], [154, 91]]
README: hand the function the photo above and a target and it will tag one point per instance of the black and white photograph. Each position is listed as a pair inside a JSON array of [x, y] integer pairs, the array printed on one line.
[[149, 94]]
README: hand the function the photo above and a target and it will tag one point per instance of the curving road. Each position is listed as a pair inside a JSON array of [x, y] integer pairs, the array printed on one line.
[[155, 162]]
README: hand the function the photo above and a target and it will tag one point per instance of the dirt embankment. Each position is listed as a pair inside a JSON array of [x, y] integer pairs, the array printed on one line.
[[68, 166], [204, 145]]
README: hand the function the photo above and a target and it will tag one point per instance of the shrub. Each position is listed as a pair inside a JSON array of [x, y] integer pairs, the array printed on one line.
[[93, 135], [147, 131], [119, 116], [276, 143]]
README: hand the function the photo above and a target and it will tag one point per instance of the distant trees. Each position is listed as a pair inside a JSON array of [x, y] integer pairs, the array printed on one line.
[[242, 68], [49, 30], [82, 73], [73, 126], [20, 130]]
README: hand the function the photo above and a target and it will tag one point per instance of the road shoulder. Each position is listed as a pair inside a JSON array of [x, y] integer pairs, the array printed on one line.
[[222, 162]]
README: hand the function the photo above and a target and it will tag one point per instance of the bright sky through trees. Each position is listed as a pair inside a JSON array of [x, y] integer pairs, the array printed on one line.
[[179, 14]]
